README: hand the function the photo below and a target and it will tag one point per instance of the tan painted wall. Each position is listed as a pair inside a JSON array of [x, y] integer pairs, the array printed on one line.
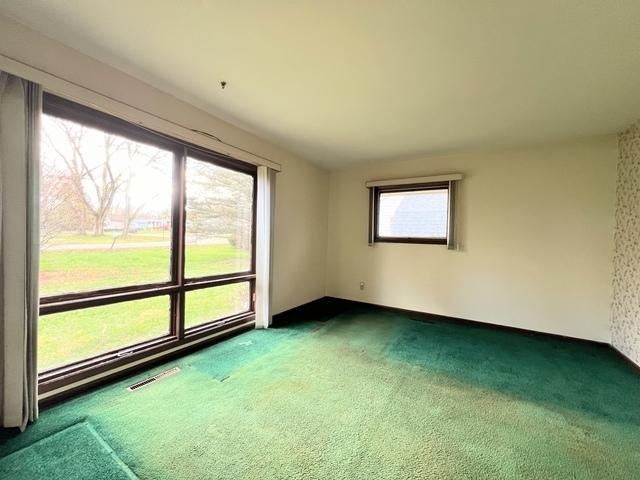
[[535, 224], [301, 188], [536, 233]]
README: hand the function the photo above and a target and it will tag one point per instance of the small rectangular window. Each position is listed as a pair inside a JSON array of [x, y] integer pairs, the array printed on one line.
[[411, 213]]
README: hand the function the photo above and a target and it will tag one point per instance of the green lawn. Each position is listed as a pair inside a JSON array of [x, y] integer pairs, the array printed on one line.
[[84, 270], [71, 336], [107, 238]]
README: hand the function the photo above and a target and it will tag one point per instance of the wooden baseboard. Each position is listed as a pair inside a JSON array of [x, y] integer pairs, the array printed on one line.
[[321, 309], [327, 307]]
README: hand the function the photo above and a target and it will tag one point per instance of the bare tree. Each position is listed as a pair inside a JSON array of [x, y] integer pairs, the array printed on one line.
[[131, 211], [56, 204], [99, 173]]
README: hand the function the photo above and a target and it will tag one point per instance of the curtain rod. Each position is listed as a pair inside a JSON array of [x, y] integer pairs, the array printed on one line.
[[414, 180], [87, 96]]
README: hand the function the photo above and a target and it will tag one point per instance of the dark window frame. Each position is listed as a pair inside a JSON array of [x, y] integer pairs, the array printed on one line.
[[374, 206], [178, 285]]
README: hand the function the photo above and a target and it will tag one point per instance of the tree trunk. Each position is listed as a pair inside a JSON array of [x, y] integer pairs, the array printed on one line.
[[127, 222], [127, 207], [98, 228]]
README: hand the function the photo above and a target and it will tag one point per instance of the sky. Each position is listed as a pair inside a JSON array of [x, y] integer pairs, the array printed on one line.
[[150, 185]]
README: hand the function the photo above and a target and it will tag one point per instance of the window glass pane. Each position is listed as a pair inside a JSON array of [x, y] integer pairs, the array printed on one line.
[[413, 214], [209, 304], [72, 336], [219, 220], [105, 210]]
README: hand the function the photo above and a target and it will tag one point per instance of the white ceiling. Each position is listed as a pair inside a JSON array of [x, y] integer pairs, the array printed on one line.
[[345, 81]]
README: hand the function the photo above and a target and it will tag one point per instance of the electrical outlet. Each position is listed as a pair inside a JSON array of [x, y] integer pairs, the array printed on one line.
[[362, 285]]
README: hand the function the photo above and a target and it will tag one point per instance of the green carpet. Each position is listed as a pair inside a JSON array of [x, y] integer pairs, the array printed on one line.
[[365, 395], [65, 455]]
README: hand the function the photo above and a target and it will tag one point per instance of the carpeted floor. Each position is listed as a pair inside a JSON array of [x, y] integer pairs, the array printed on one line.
[[366, 395]]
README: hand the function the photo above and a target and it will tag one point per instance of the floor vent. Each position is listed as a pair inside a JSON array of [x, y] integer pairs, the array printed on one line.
[[155, 378]]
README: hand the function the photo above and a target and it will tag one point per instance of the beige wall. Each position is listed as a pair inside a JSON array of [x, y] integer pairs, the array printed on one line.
[[300, 236], [301, 188], [535, 224], [536, 234]]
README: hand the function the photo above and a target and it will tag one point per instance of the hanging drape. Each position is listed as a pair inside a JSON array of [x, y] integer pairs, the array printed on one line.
[[264, 243], [20, 107]]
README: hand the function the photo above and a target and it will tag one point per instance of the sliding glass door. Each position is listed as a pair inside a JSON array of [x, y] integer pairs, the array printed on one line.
[[146, 242]]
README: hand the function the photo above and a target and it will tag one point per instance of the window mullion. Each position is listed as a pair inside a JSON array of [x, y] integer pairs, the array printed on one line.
[[178, 239]]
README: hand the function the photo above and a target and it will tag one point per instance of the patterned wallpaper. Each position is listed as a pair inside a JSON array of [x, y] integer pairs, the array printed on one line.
[[625, 313]]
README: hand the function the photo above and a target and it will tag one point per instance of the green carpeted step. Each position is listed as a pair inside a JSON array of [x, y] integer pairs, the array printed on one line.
[[77, 452]]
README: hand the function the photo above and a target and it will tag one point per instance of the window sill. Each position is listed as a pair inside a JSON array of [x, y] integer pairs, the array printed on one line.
[[430, 241], [106, 366]]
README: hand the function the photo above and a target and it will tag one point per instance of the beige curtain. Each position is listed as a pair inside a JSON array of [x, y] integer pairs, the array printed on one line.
[[20, 107], [264, 244]]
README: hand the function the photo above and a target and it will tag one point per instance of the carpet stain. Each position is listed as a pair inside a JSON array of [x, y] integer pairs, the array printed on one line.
[[369, 394]]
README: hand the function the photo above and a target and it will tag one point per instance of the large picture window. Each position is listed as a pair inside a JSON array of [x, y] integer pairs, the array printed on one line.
[[146, 242]]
